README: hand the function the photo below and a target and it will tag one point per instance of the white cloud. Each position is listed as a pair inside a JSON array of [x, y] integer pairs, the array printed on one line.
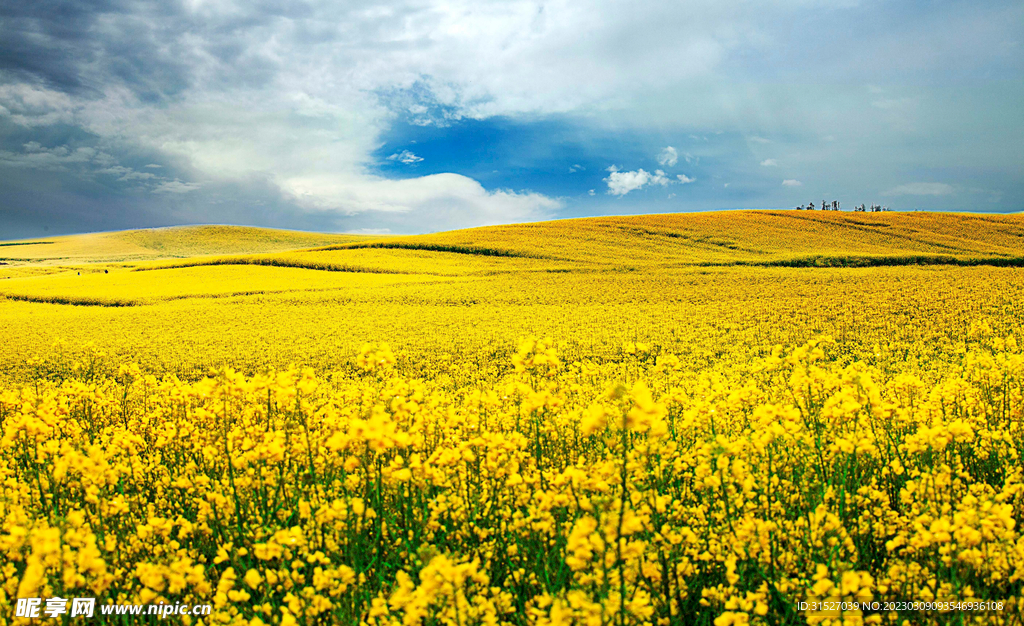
[[789, 182], [769, 163], [213, 132], [61, 158], [668, 157], [319, 161], [29, 105], [126, 173], [405, 157], [576, 167], [358, 194], [175, 186], [756, 139], [684, 179], [920, 189], [438, 201], [503, 58], [621, 183]]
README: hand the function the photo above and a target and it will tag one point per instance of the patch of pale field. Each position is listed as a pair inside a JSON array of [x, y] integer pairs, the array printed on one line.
[[125, 286], [423, 261], [162, 243], [27, 271], [206, 240]]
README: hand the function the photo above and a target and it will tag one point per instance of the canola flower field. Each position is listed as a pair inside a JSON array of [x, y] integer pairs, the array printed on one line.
[[723, 418]]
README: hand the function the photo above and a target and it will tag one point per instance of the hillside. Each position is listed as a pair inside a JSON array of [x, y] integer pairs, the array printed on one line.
[[713, 238], [741, 236], [146, 266], [160, 243], [723, 238]]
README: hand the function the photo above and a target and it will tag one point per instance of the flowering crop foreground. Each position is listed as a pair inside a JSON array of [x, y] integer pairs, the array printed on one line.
[[726, 471]]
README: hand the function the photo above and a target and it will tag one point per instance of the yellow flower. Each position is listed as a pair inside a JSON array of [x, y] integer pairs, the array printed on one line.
[[253, 578]]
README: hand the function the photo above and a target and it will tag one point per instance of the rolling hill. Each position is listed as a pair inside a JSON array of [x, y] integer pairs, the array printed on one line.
[[74, 269], [160, 243]]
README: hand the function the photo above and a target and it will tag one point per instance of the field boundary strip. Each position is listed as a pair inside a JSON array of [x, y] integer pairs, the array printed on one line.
[[274, 262], [70, 300], [883, 261], [35, 259], [816, 262], [436, 247], [695, 239]]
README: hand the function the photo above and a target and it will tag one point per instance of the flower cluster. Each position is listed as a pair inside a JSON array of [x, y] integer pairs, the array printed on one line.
[[560, 492]]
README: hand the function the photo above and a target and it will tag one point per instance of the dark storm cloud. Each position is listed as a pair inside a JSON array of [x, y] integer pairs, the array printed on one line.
[[56, 203], [157, 50], [49, 41]]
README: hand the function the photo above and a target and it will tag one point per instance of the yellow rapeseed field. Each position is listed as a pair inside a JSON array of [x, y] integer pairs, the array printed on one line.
[[161, 243], [724, 418]]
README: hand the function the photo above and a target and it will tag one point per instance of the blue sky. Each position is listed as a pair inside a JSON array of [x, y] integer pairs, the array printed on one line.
[[423, 115]]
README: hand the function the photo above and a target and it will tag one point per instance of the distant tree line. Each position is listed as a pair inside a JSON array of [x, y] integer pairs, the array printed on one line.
[[834, 206]]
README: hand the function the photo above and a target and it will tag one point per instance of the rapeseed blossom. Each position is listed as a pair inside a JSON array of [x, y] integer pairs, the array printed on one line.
[[375, 498]]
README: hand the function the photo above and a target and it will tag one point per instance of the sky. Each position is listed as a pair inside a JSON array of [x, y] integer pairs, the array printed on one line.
[[414, 116]]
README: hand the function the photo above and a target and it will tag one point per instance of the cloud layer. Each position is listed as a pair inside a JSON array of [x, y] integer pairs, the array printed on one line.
[[156, 110]]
